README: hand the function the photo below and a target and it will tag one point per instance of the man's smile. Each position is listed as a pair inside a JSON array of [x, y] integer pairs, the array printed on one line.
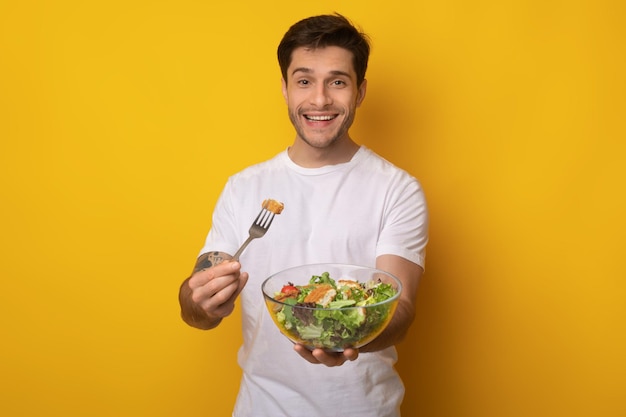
[[320, 118]]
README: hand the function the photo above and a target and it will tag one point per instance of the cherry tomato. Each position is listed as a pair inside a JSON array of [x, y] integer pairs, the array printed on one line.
[[289, 289]]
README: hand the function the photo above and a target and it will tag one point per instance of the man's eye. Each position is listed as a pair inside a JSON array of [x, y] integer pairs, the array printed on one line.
[[303, 82], [338, 83]]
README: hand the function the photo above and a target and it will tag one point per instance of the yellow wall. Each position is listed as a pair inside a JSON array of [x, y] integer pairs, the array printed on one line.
[[121, 120]]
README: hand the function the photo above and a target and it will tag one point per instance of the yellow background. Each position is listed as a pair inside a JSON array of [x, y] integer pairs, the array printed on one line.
[[121, 120]]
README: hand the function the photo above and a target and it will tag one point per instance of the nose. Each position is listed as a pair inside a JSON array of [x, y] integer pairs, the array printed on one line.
[[320, 96]]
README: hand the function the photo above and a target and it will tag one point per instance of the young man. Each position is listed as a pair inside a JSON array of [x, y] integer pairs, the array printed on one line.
[[343, 204]]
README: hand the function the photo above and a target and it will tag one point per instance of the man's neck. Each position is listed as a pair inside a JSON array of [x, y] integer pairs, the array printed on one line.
[[307, 156]]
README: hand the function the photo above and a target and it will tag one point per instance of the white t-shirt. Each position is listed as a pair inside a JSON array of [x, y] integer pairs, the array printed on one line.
[[347, 213]]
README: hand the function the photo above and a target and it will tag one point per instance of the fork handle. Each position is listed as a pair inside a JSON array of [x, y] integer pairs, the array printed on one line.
[[243, 246]]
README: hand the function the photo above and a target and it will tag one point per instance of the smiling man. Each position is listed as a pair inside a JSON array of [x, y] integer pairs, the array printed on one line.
[[342, 203]]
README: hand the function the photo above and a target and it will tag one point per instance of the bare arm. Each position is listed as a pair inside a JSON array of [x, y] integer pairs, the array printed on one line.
[[409, 274], [209, 294]]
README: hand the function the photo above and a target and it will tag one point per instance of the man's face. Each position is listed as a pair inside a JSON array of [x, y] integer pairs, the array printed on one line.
[[322, 94]]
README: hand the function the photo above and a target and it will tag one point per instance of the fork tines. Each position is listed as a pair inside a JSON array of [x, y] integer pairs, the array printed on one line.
[[265, 218]]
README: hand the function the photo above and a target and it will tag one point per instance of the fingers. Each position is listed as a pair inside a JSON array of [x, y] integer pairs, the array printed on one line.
[[351, 354], [226, 307], [330, 359], [203, 276], [243, 280], [215, 289]]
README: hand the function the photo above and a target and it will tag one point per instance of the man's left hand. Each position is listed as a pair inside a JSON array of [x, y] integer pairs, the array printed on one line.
[[320, 356]]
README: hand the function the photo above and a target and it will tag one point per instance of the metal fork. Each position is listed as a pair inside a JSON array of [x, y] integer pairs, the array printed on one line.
[[258, 229]]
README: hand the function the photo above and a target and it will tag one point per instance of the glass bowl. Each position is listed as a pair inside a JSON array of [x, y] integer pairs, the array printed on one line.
[[331, 306]]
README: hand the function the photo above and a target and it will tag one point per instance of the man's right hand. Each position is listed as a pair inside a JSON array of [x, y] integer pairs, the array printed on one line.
[[209, 294]]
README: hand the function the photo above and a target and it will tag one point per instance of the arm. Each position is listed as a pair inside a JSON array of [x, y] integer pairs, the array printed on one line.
[[409, 274], [209, 294]]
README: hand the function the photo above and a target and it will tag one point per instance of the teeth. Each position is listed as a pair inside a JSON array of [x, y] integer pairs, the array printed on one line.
[[320, 118]]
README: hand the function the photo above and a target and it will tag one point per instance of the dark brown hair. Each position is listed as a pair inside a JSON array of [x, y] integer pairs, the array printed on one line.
[[322, 31]]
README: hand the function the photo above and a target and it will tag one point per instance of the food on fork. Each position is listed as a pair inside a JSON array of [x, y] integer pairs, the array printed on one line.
[[274, 206]]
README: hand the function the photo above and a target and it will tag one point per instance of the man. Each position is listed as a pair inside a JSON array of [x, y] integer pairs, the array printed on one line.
[[343, 204]]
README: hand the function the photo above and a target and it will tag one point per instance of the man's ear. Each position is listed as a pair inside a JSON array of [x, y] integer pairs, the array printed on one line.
[[361, 95], [284, 87]]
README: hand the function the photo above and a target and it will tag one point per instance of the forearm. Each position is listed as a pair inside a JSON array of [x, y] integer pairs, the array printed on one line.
[[409, 274], [396, 331]]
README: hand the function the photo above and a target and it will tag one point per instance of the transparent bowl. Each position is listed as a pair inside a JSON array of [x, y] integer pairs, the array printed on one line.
[[331, 328]]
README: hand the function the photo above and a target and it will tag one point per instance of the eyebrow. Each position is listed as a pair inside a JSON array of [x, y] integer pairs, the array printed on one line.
[[310, 71]]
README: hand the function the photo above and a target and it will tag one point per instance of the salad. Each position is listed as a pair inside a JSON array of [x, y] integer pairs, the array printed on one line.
[[333, 314]]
